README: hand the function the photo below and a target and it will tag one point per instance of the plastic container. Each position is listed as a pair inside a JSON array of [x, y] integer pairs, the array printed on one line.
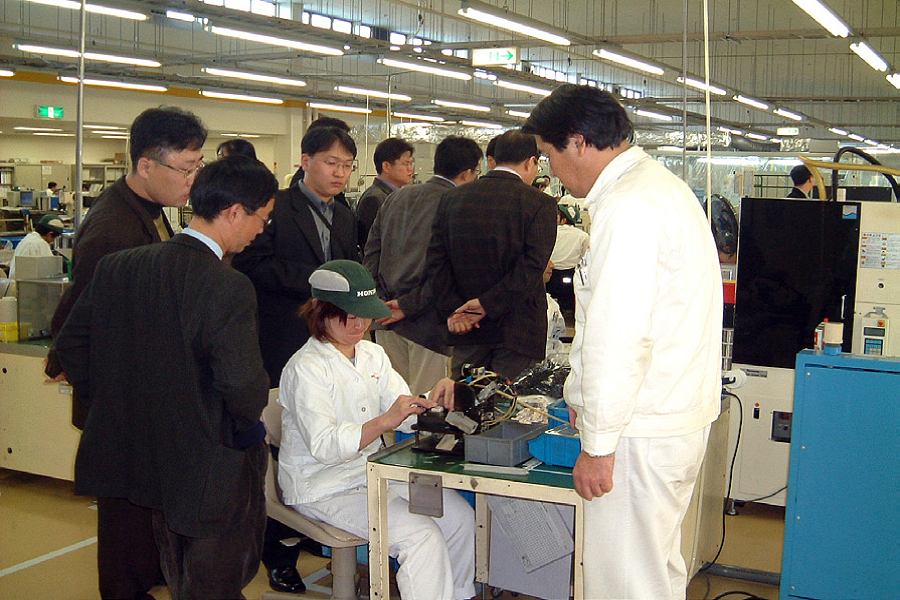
[[505, 445], [559, 409], [559, 446]]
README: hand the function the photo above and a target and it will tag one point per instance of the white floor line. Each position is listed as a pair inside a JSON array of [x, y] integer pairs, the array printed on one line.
[[311, 579], [48, 556]]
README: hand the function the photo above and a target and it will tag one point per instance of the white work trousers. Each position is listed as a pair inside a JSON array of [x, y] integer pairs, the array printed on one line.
[[632, 547], [419, 367], [436, 556]]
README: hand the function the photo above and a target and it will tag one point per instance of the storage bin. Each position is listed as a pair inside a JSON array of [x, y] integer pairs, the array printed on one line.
[[505, 445], [559, 446]]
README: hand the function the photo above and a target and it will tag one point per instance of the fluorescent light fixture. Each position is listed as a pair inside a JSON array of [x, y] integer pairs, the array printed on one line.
[[125, 60], [243, 135], [47, 50], [241, 97], [462, 105], [855, 137], [373, 93], [870, 142], [254, 77], [837, 131], [516, 25], [865, 52], [652, 115], [788, 114], [122, 85], [731, 131], [701, 85], [114, 137], [430, 118], [894, 80], [481, 124], [340, 108], [519, 87], [275, 41], [414, 65], [180, 16], [825, 17], [518, 113], [125, 129], [55, 134], [751, 102], [6, 73], [37, 129], [93, 8], [775, 140], [628, 61], [756, 136]]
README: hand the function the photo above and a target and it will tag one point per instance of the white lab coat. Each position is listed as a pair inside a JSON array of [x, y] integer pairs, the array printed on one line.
[[322, 473], [645, 377], [571, 245]]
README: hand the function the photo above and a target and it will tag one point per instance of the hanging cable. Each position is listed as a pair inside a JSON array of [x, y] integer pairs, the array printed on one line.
[[708, 120]]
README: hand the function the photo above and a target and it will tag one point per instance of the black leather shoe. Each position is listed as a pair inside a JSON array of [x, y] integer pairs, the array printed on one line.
[[286, 579]]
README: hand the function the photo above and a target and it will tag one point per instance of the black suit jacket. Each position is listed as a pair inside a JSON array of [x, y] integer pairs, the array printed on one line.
[[797, 193], [491, 240], [163, 347], [368, 206], [279, 263], [118, 220]]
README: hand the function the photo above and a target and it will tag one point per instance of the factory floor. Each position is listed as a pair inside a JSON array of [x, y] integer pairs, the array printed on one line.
[[48, 547]]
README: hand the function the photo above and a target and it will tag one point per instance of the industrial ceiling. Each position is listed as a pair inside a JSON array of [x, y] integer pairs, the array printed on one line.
[[768, 51]]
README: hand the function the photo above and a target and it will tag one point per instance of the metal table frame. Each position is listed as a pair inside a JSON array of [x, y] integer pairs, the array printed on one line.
[[394, 464]]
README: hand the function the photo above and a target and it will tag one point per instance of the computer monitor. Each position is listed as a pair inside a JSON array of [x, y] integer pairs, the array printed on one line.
[[26, 198]]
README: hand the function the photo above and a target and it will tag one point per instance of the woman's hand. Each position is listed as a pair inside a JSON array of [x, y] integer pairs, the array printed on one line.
[[442, 393], [405, 406]]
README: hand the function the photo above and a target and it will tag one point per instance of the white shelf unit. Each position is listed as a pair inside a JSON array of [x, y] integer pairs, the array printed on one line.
[[102, 175]]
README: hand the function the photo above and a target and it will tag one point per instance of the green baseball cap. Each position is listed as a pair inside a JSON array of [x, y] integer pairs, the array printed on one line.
[[349, 286], [52, 222], [571, 213]]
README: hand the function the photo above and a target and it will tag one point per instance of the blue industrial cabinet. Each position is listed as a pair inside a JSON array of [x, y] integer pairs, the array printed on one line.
[[842, 532]]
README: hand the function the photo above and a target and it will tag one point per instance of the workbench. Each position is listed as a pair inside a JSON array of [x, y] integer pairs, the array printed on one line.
[[544, 483], [36, 431]]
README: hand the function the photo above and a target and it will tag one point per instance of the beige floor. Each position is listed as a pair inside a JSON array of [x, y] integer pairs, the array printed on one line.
[[48, 547]]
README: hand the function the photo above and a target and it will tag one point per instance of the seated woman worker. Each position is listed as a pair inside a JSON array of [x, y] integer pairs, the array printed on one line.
[[340, 395]]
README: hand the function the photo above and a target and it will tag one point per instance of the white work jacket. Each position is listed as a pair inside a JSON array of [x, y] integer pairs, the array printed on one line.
[[327, 399], [571, 245], [646, 356]]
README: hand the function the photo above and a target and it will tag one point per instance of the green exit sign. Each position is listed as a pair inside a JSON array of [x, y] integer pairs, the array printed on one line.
[[49, 112], [494, 56]]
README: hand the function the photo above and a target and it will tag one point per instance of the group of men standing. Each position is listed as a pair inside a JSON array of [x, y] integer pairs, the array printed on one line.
[[168, 347]]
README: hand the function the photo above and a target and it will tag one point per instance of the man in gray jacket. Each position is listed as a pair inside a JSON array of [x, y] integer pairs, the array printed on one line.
[[416, 336]]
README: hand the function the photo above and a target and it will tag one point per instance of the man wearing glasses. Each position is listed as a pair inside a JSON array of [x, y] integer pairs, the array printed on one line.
[[307, 229], [394, 165], [166, 154]]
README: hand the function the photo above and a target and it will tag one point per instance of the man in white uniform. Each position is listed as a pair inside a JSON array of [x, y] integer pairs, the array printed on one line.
[[39, 242], [645, 380]]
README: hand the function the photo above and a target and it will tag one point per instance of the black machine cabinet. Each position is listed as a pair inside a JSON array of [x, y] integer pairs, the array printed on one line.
[[796, 266]]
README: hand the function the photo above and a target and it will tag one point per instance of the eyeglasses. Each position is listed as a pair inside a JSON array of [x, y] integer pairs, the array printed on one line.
[[336, 164], [186, 173], [253, 213]]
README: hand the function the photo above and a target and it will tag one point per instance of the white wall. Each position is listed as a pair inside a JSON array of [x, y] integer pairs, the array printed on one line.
[[37, 148], [280, 127]]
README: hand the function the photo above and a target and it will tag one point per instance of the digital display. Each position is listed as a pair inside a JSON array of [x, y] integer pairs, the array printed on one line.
[[874, 331]]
